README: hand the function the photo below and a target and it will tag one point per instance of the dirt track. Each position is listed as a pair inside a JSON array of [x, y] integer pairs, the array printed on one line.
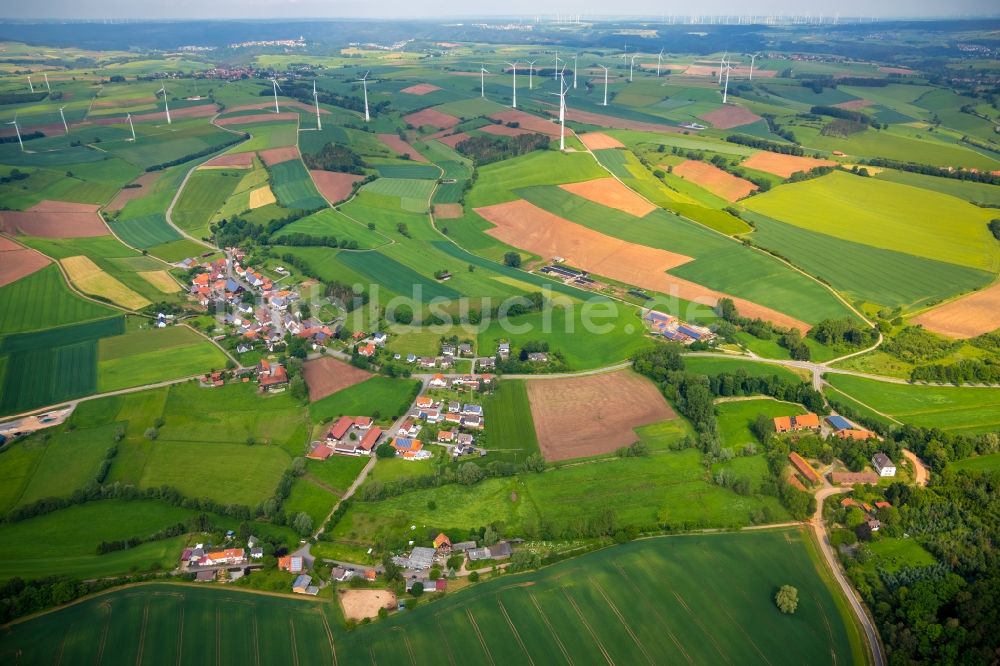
[[591, 415]]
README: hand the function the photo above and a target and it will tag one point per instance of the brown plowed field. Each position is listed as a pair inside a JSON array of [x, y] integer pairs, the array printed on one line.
[[334, 186], [17, 261], [611, 193], [453, 140], [199, 111], [233, 160], [127, 194], [966, 317], [587, 416], [617, 123], [742, 71], [782, 165], [896, 70], [599, 141], [432, 118], [714, 179], [420, 89], [447, 211], [273, 156], [526, 226], [854, 104], [400, 147], [325, 376], [730, 116], [503, 130], [257, 118], [528, 122], [55, 219]]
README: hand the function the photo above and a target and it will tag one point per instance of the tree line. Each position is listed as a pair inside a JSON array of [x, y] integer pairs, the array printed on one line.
[[201, 153], [489, 149]]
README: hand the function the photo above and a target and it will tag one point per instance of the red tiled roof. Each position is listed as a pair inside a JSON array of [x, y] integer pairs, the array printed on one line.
[[368, 441], [341, 427], [804, 468]]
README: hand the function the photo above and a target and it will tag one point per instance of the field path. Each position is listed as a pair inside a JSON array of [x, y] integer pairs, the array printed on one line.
[[365, 471], [920, 473]]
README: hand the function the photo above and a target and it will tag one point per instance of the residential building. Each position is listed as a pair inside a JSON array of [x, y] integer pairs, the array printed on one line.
[[438, 381], [340, 428], [793, 423], [227, 556], [465, 349], [290, 563], [446, 436], [271, 376], [408, 429], [883, 465], [303, 585], [370, 440], [442, 542], [538, 357]]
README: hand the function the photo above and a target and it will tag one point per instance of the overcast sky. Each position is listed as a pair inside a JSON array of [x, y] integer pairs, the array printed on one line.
[[91, 9]]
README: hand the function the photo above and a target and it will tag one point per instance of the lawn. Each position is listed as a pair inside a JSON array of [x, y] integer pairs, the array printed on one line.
[[892, 554], [293, 186], [509, 428], [655, 601], [382, 398], [42, 300], [336, 472], [886, 215], [958, 409]]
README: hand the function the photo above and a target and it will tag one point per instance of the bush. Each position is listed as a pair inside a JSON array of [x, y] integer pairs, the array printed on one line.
[[787, 599], [417, 589], [512, 259]]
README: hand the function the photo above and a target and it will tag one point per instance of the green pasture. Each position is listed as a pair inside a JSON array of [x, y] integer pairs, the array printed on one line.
[[204, 193], [265, 135], [953, 408], [382, 398], [719, 364], [165, 144], [153, 355], [336, 473], [310, 498], [893, 553], [986, 463], [886, 215], [414, 194], [408, 171], [510, 431], [42, 300], [293, 186], [498, 181], [328, 222], [145, 232]]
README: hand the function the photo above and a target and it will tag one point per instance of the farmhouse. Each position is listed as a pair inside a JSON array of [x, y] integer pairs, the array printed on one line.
[[227, 556], [367, 350], [794, 423], [804, 468], [438, 381], [462, 546], [498, 551], [320, 451], [883, 465], [442, 542], [303, 585], [419, 559], [290, 563], [271, 376]]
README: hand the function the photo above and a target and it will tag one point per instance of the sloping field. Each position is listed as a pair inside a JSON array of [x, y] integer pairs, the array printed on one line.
[[90, 279], [502, 130], [431, 117], [230, 160], [261, 197], [782, 165], [715, 180], [413, 193], [612, 193], [273, 156], [257, 118], [420, 89], [203, 194], [527, 121], [294, 188], [588, 416], [613, 122], [145, 231], [325, 376], [400, 147], [730, 116], [886, 215], [17, 261], [127, 194], [966, 317], [599, 141], [42, 300], [161, 280], [453, 140], [54, 219], [334, 186]]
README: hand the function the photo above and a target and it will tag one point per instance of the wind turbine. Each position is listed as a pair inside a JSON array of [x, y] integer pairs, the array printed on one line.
[[555, 71], [605, 84], [276, 88], [722, 63], [18, 130], [563, 89], [575, 56], [364, 84], [531, 69], [319, 123], [166, 107], [631, 66], [47, 87], [752, 59], [131, 126], [30, 87], [659, 62], [63, 116], [725, 91], [482, 79], [514, 68]]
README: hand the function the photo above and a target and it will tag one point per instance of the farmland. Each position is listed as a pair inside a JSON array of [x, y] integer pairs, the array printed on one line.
[[153, 355], [509, 426], [645, 600], [293, 187], [205, 192], [42, 300], [380, 397]]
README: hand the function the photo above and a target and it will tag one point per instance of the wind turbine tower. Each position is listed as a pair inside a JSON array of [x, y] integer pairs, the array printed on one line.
[[482, 79], [319, 123], [30, 87], [752, 59], [531, 69], [513, 66], [563, 89], [63, 116], [722, 63], [575, 56], [131, 127], [364, 85], [275, 87], [166, 107], [605, 85], [18, 131], [631, 66], [555, 71], [659, 63], [725, 90], [47, 87]]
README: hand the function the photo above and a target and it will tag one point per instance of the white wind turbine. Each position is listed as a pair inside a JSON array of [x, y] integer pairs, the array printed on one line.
[[166, 107], [659, 63], [482, 79], [364, 85], [722, 63], [725, 90], [18, 131], [47, 86], [63, 116], [275, 87], [513, 66], [563, 89], [555, 71], [531, 69], [30, 87], [131, 126], [752, 59], [631, 66], [575, 56], [605, 84], [319, 123]]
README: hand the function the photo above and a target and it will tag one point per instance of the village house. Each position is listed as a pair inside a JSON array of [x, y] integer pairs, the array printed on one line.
[[227, 556], [498, 551], [411, 358], [795, 423], [367, 350], [454, 407], [380, 338], [442, 543], [438, 381], [408, 428], [472, 410], [486, 363], [303, 585], [883, 465], [290, 563], [538, 357], [447, 350], [428, 362], [465, 349], [503, 350], [472, 422], [804, 468], [271, 376], [424, 402], [410, 449], [446, 436]]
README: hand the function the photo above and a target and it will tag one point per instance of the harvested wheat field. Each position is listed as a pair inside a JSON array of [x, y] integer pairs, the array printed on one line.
[[966, 317], [261, 197], [448, 211], [524, 225], [587, 416], [161, 280], [714, 179], [730, 116], [611, 193], [126, 194], [854, 104], [326, 375], [782, 165], [432, 118], [528, 122], [230, 161], [503, 130], [257, 118], [361, 604], [420, 89], [55, 219], [90, 279], [453, 140], [400, 147], [334, 186], [273, 156], [599, 141], [17, 261]]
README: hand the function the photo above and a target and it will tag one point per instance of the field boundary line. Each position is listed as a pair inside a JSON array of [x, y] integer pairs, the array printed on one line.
[[514, 631], [694, 618], [621, 618], [479, 635], [590, 630], [142, 633], [406, 643], [659, 616], [548, 625]]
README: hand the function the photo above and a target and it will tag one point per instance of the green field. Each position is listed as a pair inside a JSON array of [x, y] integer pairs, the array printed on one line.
[[293, 186], [153, 355], [42, 300], [205, 193], [509, 428], [886, 215], [328, 222], [979, 193], [310, 498], [953, 408], [145, 231], [413, 194], [382, 398], [654, 601], [987, 463], [718, 364]]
